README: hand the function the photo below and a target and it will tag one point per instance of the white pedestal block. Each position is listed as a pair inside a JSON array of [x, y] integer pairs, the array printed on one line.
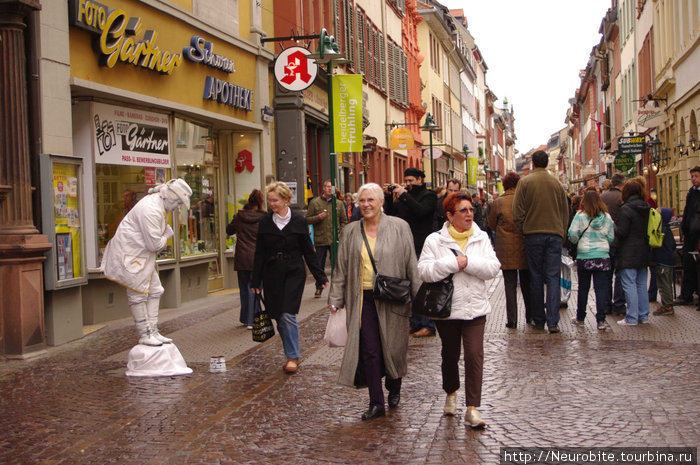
[[163, 360]]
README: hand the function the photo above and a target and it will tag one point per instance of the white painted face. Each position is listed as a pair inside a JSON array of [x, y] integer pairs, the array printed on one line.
[[171, 204]]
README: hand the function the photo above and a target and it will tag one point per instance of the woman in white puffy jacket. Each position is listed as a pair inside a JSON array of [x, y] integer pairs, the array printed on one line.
[[462, 249]]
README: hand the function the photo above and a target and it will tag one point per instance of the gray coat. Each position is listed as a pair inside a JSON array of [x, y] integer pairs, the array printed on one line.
[[395, 256]]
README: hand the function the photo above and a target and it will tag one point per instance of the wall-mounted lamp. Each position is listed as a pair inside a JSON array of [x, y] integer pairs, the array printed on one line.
[[659, 159], [693, 143], [680, 148]]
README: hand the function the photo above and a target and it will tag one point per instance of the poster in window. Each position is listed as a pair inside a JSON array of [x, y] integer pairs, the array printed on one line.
[[64, 256]]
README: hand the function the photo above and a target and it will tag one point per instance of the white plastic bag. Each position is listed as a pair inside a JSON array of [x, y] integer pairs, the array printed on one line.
[[567, 266], [336, 329]]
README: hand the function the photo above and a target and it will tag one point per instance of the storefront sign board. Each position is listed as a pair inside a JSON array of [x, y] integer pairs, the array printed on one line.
[[126, 136]]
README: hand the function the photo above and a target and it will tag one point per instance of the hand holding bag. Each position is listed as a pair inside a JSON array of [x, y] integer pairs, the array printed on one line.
[[387, 288], [434, 300], [262, 323], [336, 329]]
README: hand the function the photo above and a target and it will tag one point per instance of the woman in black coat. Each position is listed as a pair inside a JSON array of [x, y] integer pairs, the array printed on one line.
[[283, 239], [632, 254]]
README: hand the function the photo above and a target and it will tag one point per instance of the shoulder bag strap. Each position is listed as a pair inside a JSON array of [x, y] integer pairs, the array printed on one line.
[[581, 235], [369, 251]]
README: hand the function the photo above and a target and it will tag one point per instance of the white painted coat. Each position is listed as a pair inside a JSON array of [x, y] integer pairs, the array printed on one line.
[[130, 256], [470, 298]]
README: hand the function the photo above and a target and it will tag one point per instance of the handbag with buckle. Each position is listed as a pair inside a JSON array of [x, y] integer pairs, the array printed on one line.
[[262, 323], [434, 300], [387, 288]]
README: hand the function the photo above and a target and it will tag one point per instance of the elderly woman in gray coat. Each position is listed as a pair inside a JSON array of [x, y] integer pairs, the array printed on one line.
[[377, 330]]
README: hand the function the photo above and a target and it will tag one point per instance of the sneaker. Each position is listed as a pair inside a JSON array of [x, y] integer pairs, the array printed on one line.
[[317, 294], [667, 310], [450, 404], [624, 322], [554, 329], [603, 325], [473, 417], [576, 321]]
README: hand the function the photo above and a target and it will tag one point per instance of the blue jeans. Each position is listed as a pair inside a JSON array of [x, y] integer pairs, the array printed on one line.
[[248, 302], [634, 283], [289, 333], [544, 260], [601, 286]]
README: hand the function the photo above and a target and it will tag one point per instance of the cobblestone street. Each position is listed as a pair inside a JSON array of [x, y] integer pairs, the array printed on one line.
[[632, 386]]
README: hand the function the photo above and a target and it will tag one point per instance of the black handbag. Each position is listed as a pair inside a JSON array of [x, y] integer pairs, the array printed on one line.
[[262, 323], [434, 300], [387, 288]]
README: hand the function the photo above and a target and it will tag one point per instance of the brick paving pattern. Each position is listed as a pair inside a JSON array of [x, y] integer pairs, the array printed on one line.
[[634, 386]]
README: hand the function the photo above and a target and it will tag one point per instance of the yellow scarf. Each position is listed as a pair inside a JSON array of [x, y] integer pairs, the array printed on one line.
[[460, 237]]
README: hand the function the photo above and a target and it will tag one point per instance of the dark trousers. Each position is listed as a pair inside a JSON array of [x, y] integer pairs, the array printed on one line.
[[601, 284], [616, 296], [371, 354], [470, 333], [510, 281], [321, 252], [543, 253], [653, 288], [690, 277]]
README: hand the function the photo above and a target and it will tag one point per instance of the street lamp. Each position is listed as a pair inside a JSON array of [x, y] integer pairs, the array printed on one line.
[[431, 127], [328, 54]]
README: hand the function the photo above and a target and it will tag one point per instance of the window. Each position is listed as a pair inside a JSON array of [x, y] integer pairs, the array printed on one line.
[[119, 187], [400, 5], [360, 21], [434, 54], [195, 164], [398, 75]]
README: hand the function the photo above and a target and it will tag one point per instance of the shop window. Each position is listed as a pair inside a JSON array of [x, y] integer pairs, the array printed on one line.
[[196, 162], [119, 187]]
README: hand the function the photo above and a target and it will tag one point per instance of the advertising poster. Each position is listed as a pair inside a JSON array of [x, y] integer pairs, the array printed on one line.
[[67, 220], [347, 112], [126, 136]]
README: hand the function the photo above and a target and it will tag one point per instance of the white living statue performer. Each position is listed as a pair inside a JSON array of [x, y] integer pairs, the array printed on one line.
[[130, 256]]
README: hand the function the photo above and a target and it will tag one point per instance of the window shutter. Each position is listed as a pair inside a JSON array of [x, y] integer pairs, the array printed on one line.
[[404, 76], [360, 41], [336, 20], [350, 42], [370, 54], [392, 88], [382, 61]]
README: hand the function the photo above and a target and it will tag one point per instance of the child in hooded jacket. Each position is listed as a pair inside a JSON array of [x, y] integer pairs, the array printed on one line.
[[664, 257]]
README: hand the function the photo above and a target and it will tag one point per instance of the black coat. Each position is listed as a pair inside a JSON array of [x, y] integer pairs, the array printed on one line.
[[631, 234], [416, 207], [691, 217], [278, 263]]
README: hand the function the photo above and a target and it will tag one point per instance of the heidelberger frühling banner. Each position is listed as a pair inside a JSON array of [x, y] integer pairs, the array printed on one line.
[[347, 113]]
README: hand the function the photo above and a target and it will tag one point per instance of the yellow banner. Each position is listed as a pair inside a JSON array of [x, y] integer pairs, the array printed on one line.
[[402, 138], [472, 168], [347, 112]]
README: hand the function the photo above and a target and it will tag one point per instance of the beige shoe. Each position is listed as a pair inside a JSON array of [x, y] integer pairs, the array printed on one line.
[[474, 419], [451, 404], [291, 366]]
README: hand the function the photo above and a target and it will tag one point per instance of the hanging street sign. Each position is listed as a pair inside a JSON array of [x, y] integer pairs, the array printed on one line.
[[293, 70], [631, 145], [624, 161]]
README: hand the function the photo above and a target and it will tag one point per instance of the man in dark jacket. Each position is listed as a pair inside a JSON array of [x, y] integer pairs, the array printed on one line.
[[612, 198], [414, 204], [453, 185], [541, 212], [319, 214], [691, 234]]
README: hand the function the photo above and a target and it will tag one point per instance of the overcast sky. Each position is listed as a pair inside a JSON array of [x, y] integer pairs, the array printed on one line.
[[534, 51]]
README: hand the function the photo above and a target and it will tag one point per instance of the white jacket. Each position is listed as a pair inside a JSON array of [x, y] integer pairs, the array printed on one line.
[[436, 262], [130, 256]]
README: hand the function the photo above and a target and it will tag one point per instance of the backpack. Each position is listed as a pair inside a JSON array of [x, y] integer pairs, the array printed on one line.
[[654, 229]]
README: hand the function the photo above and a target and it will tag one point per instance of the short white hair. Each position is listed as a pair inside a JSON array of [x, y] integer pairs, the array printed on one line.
[[374, 189]]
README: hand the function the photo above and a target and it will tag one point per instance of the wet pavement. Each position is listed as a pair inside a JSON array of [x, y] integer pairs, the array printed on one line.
[[627, 386]]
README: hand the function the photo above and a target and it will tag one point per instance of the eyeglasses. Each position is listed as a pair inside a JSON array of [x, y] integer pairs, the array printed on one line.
[[465, 210]]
